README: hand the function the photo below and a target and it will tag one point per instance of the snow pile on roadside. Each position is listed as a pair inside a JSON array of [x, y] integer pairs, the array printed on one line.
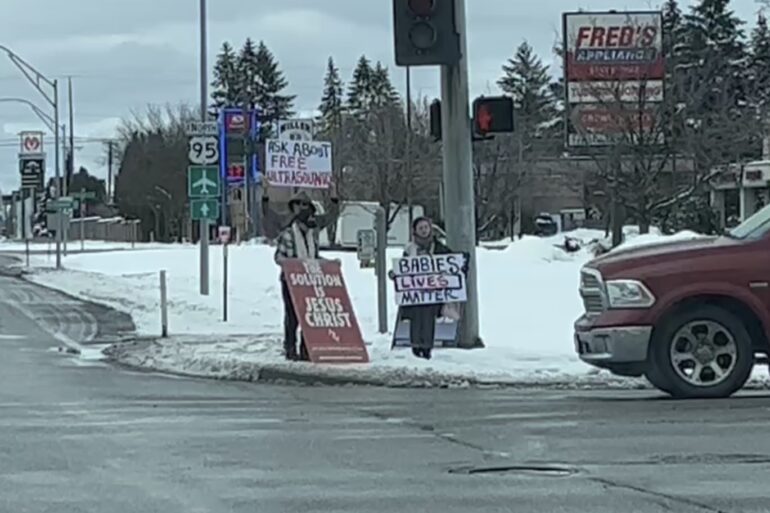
[[260, 359], [528, 294]]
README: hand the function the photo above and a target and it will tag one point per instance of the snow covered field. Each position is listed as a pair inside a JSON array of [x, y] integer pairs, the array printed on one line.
[[529, 300]]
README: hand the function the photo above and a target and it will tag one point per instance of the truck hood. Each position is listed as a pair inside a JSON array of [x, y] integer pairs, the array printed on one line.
[[623, 259]]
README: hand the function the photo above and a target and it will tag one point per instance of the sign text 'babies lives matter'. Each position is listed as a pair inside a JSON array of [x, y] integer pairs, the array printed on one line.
[[430, 279], [299, 163]]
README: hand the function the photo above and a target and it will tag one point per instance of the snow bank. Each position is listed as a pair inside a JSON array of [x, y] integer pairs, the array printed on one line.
[[528, 290]]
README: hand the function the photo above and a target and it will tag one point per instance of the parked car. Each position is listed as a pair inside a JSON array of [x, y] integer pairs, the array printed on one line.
[[692, 316]]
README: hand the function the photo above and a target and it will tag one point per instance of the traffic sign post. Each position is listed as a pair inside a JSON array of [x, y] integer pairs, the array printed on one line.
[[204, 209], [224, 234], [203, 182], [367, 246], [203, 186], [80, 199]]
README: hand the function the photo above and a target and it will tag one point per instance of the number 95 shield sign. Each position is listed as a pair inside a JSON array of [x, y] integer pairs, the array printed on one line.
[[203, 150]]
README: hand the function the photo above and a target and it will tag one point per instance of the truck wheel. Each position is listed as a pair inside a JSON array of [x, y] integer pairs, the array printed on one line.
[[704, 351], [655, 376]]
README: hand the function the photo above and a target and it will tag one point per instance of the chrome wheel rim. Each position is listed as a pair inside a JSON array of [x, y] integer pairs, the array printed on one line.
[[703, 353]]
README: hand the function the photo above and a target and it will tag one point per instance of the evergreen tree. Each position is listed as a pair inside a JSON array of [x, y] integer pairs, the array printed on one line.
[[712, 45], [360, 87], [526, 79], [712, 74], [270, 98], [226, 84], [759, 70], [332, 101], [672, 28], [247, 70], [382, 92]]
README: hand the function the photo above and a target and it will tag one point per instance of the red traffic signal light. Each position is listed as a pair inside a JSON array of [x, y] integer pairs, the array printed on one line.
[[493, 115]]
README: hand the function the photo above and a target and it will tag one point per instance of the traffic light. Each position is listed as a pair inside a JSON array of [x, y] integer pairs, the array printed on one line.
[[492, 115], [425, 33]]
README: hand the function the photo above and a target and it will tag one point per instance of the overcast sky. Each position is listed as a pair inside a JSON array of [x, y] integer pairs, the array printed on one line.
[[123, 54]]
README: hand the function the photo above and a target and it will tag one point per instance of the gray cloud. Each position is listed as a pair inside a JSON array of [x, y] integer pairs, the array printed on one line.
[[124, 55]]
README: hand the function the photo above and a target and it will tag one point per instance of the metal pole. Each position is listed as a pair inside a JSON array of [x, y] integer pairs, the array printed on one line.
[[459, 203], [409, 176], [71, 169], [204, 224], [109, 173], [381, 227], [65, 190], [23, 213], [59, 223], [224, 279], [163, 306], [82, 220]]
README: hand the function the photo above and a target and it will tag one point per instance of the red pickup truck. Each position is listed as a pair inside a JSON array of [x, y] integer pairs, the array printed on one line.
[[690, 315]]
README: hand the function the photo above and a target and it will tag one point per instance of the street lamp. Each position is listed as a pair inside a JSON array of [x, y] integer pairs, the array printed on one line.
[[38, 81], [47, 120]]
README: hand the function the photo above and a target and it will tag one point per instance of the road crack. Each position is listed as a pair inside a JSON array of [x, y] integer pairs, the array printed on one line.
[[657, 495]]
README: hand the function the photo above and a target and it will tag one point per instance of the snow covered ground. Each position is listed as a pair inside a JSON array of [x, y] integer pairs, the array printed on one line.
[[529, 300], [74, 246]]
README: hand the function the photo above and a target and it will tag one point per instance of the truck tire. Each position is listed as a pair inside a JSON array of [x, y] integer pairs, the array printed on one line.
[[701, 352], [656, 378]]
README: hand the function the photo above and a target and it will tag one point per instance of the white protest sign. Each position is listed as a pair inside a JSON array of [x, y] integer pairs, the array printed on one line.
[[298, 163], [430, 279]]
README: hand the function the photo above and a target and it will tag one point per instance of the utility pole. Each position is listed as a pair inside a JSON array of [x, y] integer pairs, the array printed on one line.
[[59, 216], [65, 190], [204, 224], [459, 201], [71, 169]]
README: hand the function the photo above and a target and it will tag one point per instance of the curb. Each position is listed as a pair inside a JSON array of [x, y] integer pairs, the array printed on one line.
[[269, 374], [121, 354]]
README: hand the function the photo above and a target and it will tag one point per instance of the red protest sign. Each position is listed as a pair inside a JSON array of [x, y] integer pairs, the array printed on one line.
[[325, 313]]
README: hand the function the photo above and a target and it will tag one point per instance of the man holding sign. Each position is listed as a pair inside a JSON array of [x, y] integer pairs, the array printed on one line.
[[299, 240], [430, 281]]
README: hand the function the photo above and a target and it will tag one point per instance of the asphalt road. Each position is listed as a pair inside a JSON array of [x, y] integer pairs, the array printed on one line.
[[87, 437]]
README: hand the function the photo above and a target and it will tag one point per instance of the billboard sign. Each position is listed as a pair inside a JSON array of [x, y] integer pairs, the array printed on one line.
[[614, 46], [599, 125], [31, 143], [614, 66]]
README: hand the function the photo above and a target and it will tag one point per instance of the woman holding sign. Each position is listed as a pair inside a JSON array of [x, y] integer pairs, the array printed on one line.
[[422, 318]]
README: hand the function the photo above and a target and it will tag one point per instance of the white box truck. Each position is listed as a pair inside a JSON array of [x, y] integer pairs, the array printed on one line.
[[360, 215]]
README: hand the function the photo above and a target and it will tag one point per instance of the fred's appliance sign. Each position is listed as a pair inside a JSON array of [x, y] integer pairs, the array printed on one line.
[[613, 46]]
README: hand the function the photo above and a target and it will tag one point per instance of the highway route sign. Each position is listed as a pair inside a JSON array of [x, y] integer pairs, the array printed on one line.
[[203, 149], [203, 182], [204, 209], [193, 128]]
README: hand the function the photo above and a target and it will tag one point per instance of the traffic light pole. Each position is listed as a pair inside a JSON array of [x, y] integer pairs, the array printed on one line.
[[460, 211], [204, 223]]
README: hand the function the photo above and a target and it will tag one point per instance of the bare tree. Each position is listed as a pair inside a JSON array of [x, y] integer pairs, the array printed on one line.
[[151, 181]]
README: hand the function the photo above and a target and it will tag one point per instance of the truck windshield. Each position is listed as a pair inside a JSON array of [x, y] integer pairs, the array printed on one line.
[[754, 227]]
